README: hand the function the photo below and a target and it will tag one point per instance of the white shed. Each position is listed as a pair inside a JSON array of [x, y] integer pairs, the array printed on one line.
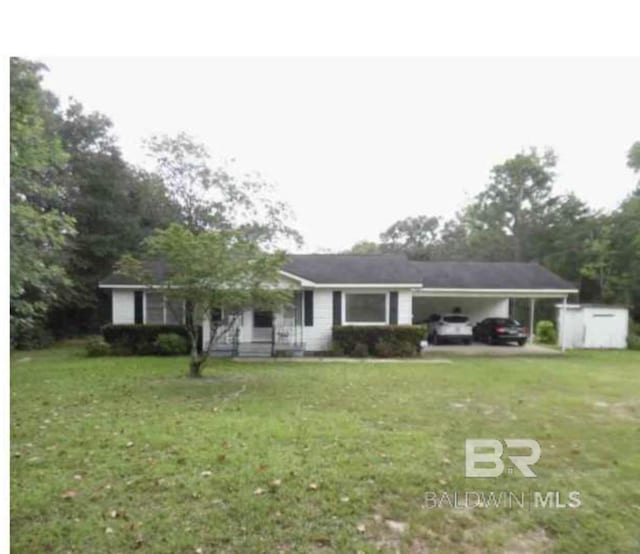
[[592, 326]]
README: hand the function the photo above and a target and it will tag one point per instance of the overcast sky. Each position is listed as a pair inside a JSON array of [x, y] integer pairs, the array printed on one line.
[[356, 144]]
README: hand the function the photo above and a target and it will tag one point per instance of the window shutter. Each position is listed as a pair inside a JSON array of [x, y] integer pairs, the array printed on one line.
[[393, 308], [308, 308], [137, 307], [337, 307]]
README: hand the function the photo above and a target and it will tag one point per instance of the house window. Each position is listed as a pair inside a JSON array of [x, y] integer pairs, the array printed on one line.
[[262, 319], [174, 312], [365, 308], [155, 308], [216, 315]]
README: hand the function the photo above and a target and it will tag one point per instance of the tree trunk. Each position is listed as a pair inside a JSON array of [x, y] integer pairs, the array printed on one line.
[[195, 365], [197, 360]]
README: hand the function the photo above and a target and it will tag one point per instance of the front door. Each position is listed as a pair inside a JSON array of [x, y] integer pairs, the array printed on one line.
[[262, 326]]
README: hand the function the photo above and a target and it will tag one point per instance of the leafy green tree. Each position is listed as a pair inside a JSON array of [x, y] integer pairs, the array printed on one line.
[[39, 229], [415, 236], [115, 207], [599, 265], [365, 247], [625, 241], [216, 198], [517, 202], [560, 244], [633, 157], [209, 270]]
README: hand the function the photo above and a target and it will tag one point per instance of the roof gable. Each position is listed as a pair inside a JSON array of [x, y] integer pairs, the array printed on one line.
[[392, 269]]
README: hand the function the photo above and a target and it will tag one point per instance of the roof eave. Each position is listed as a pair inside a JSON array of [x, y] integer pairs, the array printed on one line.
[[512, 293]]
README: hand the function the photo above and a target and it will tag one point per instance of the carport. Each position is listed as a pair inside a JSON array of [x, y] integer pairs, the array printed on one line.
[[484, 289]]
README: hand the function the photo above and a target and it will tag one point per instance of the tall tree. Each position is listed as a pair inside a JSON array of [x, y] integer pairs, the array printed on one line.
[[365, 247], [40, 230], [216, 198], [625, 241], [416, 236], [518, 200], [115, 207], [559, 244], [633, 157], [210, 270]]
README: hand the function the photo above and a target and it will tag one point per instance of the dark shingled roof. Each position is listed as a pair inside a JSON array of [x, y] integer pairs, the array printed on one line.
[[488, 275], [158, 270], [351, 268], [396, 269]]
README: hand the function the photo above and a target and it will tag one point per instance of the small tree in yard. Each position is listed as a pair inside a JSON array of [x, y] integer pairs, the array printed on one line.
[[209, 271]]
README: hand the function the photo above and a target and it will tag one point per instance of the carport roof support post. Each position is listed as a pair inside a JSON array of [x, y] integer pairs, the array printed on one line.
[[532, 311], [563, 332]]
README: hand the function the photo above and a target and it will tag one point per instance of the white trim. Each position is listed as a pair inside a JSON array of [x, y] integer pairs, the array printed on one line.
[[135, 287], [343, 315], [512, 293], [304, 282], [144, 307], [418, 290], [387, 286]]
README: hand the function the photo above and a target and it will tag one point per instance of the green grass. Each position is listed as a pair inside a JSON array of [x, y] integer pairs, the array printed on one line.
[[131, 437]]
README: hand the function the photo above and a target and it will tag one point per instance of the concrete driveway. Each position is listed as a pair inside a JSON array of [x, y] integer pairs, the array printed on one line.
[[482, 349]]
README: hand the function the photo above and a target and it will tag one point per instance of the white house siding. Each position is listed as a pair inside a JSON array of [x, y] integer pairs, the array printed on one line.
[[318, 336], [122, 306], [476, 308], [405, 307]]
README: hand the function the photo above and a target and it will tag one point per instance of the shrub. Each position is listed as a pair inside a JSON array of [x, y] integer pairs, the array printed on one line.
[[140, 339], [33, 339], [401, 338], [633, 342], [391, 348], [633, 335], [336, 350], [546, 332], [171, 344], [98, 347], [360, 350]]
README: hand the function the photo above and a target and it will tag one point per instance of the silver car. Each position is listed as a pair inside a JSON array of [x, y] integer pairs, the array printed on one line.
[[450, 328]]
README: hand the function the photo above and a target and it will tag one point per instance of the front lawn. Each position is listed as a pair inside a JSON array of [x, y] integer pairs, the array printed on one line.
[[122, 454]]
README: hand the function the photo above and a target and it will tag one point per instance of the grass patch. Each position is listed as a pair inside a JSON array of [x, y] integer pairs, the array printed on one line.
[[121, 454]]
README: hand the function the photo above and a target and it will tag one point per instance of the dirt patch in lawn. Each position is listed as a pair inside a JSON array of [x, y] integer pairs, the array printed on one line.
[[535, 541]]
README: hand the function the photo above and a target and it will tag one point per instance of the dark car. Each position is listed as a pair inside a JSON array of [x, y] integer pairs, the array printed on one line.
[[500, 330]]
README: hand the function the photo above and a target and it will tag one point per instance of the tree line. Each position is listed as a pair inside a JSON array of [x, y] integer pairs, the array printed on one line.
[[77, 206], [518, 217]]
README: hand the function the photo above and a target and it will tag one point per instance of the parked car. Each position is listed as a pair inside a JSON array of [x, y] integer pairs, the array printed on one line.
[[500, 330], [449, 328]]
